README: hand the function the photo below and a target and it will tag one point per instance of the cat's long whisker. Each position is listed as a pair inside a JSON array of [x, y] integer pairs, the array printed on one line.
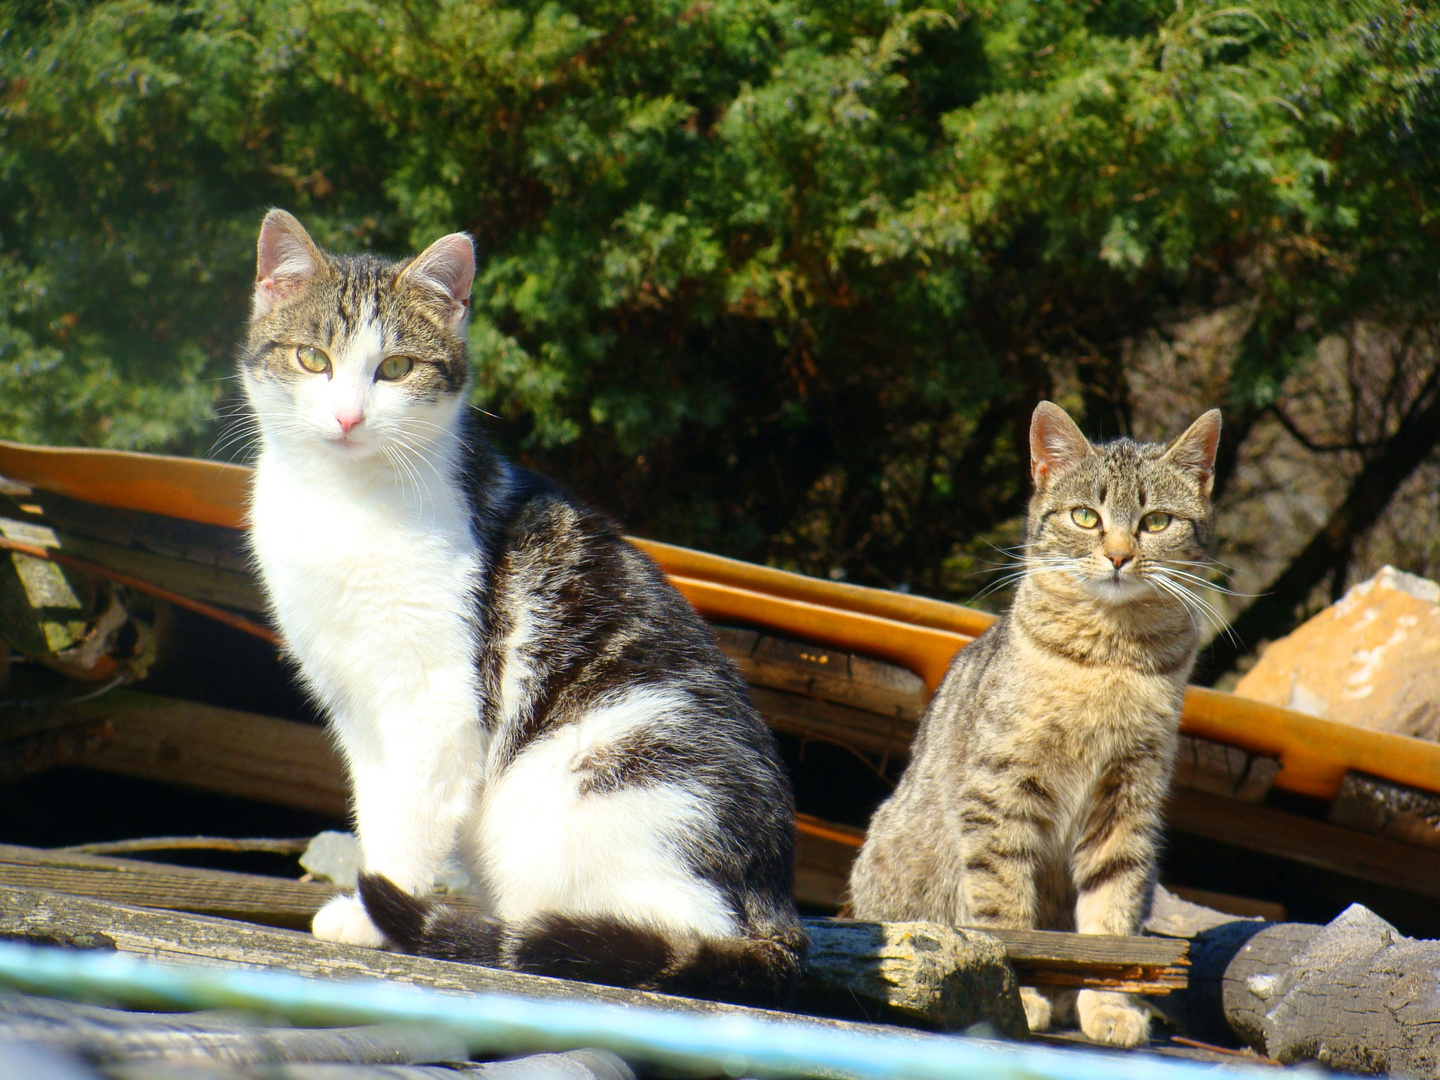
[[1180, 595], [1023, 572], [1193, 600], [1196, 579], [406, 468], [414, 457]]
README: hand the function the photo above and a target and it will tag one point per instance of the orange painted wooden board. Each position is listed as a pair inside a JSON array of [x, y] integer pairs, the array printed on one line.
[[915, 632]]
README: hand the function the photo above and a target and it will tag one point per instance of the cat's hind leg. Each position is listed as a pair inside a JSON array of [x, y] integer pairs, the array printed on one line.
[[603, 853]]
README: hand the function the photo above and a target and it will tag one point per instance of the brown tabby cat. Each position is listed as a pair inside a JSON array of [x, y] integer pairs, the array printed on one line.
[[1032, 799]]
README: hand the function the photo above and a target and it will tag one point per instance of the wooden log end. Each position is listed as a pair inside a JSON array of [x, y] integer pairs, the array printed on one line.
[[917, 973]]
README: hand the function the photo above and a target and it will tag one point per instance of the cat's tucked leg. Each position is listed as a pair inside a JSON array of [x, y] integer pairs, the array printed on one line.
[[557, 837]]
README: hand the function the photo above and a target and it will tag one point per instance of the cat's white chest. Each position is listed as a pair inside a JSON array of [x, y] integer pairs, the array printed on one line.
[[373, 596]]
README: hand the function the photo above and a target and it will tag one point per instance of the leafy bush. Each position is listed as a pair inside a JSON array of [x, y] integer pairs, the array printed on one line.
[[777, 279]]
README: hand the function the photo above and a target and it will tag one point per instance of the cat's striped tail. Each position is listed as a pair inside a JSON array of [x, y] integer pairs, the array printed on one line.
[[745, 971]]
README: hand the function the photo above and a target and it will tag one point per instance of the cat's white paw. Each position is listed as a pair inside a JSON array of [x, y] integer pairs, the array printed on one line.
[[1111, 1019], [1037, 1008], [343, 919]]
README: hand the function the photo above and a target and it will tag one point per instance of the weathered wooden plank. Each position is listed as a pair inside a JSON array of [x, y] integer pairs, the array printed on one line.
[[62, 919], [1219, 769], [1138, 965], [800, 667], [219, 750], [1315, 843], [1387, 809], [108, 1035], [251, 897], [175, 936], [213, 584], [812, 718], [271, 846], [1141, 965], [170, 537]]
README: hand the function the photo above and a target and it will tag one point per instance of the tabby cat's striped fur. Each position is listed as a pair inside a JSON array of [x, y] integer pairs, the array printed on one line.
[[504, 674], [1033, 796]]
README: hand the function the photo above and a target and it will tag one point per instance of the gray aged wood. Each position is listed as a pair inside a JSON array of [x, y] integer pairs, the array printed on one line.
[[101, 1035], [1316, 843], [251, 897], [924, 973], [60, 919], [1041, 958], [1215, 938], [1220, 769], [1388, 809], [1355, 995]]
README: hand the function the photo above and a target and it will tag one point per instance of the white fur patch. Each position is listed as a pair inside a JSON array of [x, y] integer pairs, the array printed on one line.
[[372, 592], [544, 847], [343, 919]]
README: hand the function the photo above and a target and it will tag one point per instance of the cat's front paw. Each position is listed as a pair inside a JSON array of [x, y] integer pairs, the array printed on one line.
[[343, 919], [1037, 1008], [1112, 1019]]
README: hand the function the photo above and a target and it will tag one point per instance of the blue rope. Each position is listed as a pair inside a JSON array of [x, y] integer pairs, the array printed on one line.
[[499, 1024]]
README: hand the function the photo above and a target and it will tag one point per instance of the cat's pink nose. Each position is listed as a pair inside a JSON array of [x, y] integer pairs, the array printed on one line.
[[1118, 560], [348, 420]]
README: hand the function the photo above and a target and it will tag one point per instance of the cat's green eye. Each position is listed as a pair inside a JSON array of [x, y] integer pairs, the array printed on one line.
[[1155, 521], [1085, 517], [312, 359], [394, 367]]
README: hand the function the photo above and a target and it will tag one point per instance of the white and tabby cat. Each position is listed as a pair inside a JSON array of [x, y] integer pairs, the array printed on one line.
[[505, 676], [1033, 794]]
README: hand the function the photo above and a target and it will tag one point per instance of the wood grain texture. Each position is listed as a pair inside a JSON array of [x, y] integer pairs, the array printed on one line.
[[1395, 811], [1315, 843], [1354, 995], [251, 897], [921, 973], [1040, 958], [214, 749], [180, 937]]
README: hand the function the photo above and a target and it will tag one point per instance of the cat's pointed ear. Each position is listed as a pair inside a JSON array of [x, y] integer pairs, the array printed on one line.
[[446, 267], [1056, 444], [286, 259], [1195, 450]]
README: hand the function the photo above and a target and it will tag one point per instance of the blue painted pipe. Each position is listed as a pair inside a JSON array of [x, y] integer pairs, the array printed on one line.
[[495, 1024]]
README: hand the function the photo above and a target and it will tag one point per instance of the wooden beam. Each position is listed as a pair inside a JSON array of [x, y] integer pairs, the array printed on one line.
[[1135, 965], [256, 898], [221, 750], [1040, 958], [165, 935], [1315, 843], [1396, 811]]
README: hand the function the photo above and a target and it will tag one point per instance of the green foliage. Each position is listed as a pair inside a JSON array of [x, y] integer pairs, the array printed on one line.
[[773, 278]]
